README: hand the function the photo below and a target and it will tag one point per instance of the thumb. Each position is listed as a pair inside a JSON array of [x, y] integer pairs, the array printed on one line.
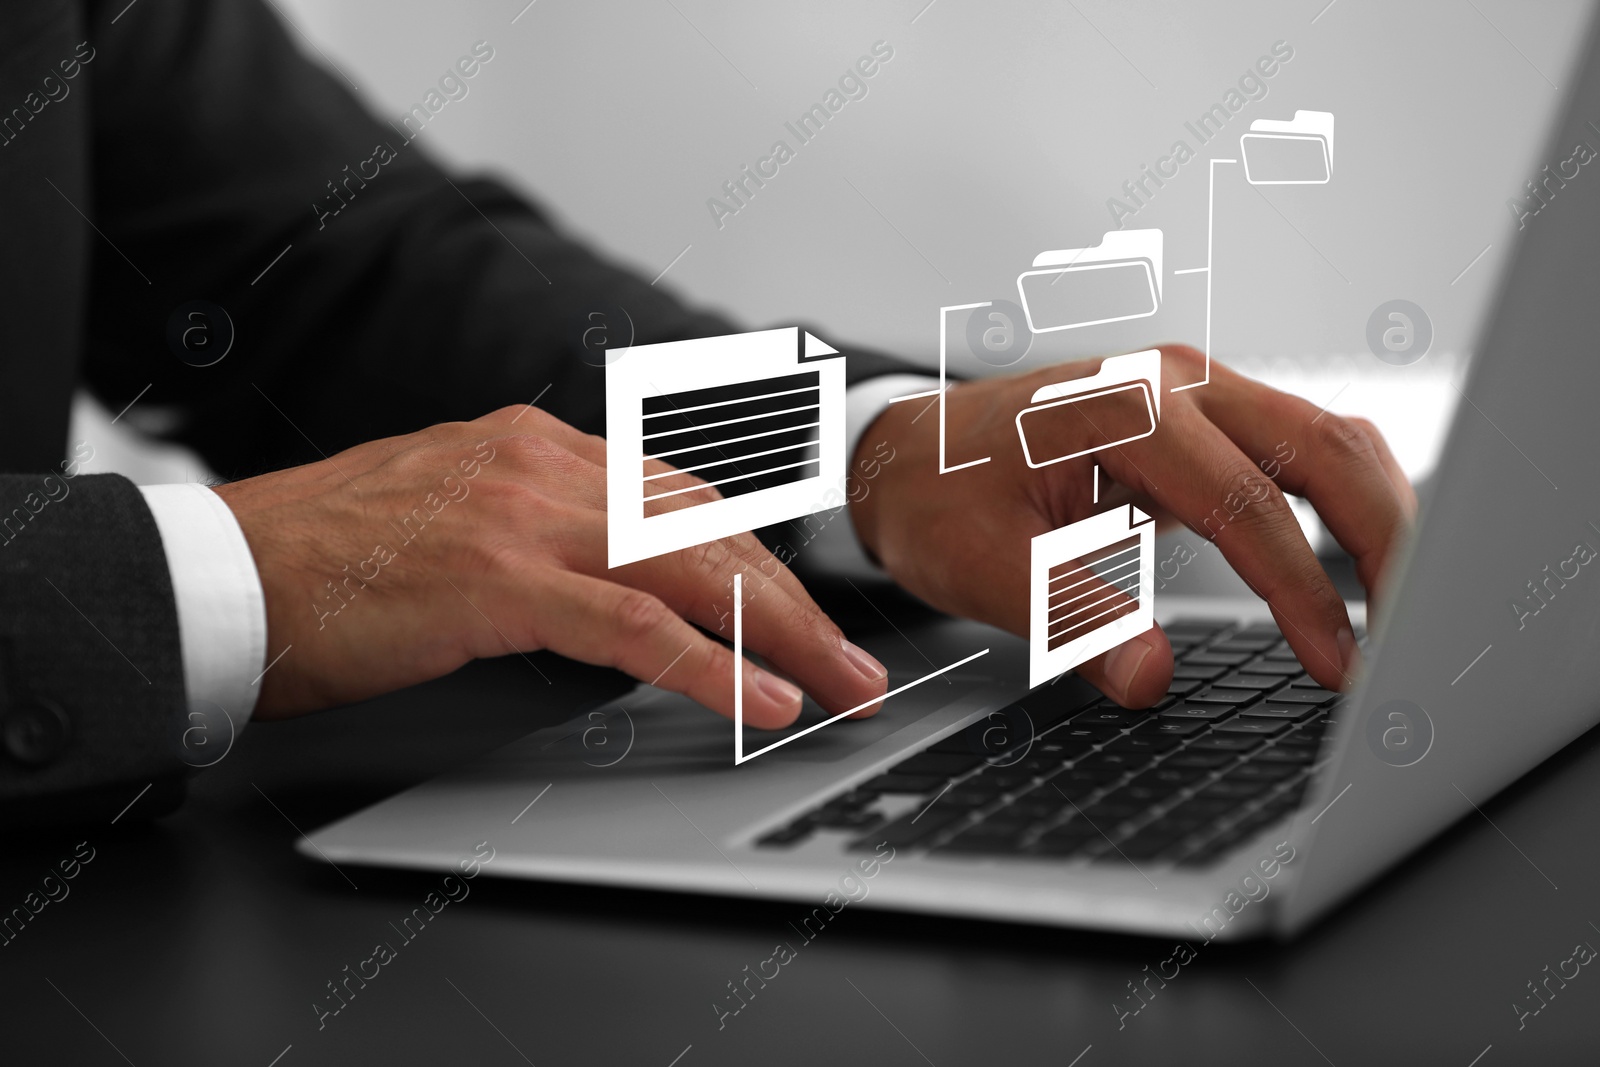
[[1136, 673]]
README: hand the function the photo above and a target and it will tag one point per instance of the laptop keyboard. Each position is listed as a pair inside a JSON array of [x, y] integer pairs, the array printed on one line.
[[1229, 750]]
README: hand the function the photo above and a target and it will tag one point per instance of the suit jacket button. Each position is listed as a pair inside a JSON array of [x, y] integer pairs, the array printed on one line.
[[36, 733]]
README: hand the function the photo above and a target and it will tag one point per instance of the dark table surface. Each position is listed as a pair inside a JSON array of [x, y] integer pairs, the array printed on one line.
[[204, 938]]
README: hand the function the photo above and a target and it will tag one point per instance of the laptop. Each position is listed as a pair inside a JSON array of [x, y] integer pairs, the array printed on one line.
[[1248, 802]]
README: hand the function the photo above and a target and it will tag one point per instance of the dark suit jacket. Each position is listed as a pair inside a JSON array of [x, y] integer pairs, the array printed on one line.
[[166, 152]]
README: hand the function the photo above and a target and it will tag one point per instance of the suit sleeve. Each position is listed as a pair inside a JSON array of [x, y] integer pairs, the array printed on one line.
[[91, 678], [369, 292]]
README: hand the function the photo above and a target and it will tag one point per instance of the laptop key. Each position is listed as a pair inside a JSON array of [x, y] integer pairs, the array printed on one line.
[[1229, 789], [910, 829], [1247, 642], [1281, 712], [1205, 809], [1192, 757], [1298, 755], [1005, 779], [1218, 695], [1169, 774], [938, 764], [1150, 743], [785, 836], [970, 796], [844, 819], [1071, 791], [903, 783], [1277, 668], [1217, 659], [1165, 727], [1119, 717], [1251, 771], [1074, 731], [1292, 695], [1198, 671], [1199, 712], [1252, 727], [1261, 683], [1202, 627], [1237, 743], [1036, 807], [1182, 687]]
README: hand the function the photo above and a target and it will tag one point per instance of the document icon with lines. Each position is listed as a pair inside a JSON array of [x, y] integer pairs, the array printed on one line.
[[1090, 590], [758, 416]]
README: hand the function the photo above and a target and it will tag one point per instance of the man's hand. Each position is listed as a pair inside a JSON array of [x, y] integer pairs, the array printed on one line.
[[1216, 463], [400, 560]]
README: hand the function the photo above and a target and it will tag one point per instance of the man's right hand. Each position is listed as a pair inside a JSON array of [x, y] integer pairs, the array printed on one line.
[[399, 560]]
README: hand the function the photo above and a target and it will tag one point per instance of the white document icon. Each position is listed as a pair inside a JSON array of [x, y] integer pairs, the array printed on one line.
[[1117, 279], [1297, 151], [1090, 590], [760, 416], [1070, 410]]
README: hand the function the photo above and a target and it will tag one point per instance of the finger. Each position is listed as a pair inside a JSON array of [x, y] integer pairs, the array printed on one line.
[[1331, 461], [1391, 466], [1136, 673], [1217, 491], [1084, 598], [762, 567], [611, 625], [784, 624], [794, 635], [527, 419], [679, 490]]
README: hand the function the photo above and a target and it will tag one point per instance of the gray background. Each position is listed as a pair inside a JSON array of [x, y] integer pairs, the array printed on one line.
[[999, 130]]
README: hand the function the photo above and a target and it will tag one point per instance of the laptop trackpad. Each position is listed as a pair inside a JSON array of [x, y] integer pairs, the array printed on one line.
[[648, 730]]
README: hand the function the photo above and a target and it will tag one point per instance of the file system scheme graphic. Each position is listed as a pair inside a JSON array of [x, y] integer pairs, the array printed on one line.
[[759, 416], [1113, 281], [1297, 151], [1090, 590], [1093, 412]]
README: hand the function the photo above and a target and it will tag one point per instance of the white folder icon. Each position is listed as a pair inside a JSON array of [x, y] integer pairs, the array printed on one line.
[[1105, 425], [1297, 151], [1117, 279]]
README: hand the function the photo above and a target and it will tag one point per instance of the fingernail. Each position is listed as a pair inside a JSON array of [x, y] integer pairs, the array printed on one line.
[[776, 689], [1349, 651], [1122, 665], [862, 661]]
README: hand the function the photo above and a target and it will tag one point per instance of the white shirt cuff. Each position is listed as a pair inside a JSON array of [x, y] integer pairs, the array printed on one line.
[[865, 401], [222, 612], [834, 548]]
